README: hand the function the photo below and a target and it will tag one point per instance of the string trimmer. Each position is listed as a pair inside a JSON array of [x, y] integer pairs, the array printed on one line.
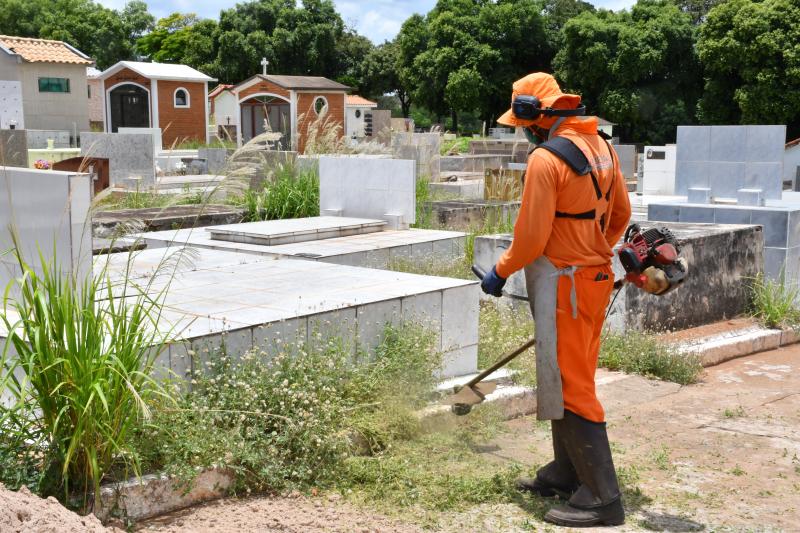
[[475, 391]]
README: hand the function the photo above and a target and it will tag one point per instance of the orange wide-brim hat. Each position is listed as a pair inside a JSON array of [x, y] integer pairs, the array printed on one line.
[[543, 86]]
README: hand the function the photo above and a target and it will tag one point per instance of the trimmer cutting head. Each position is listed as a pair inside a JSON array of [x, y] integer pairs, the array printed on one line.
[[464, 398]]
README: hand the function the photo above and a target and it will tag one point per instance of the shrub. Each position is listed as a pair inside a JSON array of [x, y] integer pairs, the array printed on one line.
[[80, 377], [286, 421]]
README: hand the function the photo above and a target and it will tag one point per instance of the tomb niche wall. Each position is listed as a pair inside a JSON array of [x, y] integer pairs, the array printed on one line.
[[726, 159]]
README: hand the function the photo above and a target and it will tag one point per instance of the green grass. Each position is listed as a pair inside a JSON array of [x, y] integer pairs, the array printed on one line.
[[643, 353], [503, 329], [80, 381], [774, 302], [459, 144], [146, 200], [289, 194]]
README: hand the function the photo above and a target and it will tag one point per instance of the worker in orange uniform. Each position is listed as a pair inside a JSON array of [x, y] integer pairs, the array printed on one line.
[[575, 208]]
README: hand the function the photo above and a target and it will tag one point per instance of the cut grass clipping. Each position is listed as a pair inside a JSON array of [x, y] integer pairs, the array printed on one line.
[[643, 353]]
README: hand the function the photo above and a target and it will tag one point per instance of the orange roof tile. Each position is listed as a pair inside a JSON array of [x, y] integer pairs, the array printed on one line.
[[44, 51], [355, 100], [218, 89]]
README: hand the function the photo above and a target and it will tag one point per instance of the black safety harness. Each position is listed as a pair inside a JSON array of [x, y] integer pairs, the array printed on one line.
[[575, 159]]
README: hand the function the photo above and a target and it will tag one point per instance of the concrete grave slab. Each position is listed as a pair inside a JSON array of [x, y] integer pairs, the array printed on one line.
[[423, 148], [38, 139], [252, 296], [373, 250], [276, 232], [729, 158], [13, 148], [50, 212]]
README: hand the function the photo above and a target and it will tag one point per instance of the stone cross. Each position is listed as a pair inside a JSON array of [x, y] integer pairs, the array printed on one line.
[[264, 64]]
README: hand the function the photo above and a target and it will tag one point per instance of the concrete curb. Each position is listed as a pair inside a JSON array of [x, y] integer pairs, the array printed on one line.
[[720, 348], [154, 495]]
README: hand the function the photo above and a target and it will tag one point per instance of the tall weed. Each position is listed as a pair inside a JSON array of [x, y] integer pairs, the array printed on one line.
[[774, 301], [285, 419], [77, 366], [291, 194], [643, 353]]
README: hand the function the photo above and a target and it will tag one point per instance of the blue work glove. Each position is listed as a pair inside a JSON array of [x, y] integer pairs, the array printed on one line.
[[492, 283]]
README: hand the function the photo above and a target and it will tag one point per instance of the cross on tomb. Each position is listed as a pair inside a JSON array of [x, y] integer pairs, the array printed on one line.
[[264, 64]]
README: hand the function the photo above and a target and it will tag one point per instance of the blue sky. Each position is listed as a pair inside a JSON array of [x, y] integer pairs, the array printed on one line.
[[377, 19]]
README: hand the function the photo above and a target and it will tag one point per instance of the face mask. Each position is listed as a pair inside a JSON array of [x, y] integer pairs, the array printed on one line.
[[531, 136]]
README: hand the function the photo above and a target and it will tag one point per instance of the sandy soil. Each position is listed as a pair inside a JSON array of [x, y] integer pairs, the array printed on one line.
[[24, 512], [293, 514], [721, 455]]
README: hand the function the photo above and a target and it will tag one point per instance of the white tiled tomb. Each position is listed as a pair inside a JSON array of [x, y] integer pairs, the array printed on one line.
[[245, 300]]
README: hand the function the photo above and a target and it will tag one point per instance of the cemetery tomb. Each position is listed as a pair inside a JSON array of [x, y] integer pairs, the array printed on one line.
[[245, 300], [275, 232], [658, 172], [469, 187], [780, 220], [720, 258], [374, 249], [131, 157], [49, 209], [726, 159]]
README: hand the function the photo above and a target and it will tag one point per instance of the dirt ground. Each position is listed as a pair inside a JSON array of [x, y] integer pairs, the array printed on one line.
[[721, 455], [24, 512], [295, 514]]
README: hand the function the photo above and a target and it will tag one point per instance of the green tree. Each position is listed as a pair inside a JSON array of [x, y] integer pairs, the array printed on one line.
[[465, 54], [167, 41], [351, 51], [379, 74], [635, 68], [750, 51], [104, 34]]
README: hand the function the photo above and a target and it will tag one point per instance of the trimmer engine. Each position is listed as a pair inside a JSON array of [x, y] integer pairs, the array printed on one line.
[[651, 259]]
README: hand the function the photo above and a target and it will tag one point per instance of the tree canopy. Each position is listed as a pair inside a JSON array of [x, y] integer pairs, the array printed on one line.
[[659, 64]]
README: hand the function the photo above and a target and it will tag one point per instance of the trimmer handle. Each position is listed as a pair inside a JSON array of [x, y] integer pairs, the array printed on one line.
[[478, 271]]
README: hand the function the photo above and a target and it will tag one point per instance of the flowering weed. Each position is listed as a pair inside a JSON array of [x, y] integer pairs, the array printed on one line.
[[286, 421]]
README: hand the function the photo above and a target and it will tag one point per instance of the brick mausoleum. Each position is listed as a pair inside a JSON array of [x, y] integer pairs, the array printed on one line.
[[289, 104], [156, 95]]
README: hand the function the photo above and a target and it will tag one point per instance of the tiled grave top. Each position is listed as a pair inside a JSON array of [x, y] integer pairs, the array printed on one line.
[[363, 243], [220, 291], [317, 249], [275, 232]]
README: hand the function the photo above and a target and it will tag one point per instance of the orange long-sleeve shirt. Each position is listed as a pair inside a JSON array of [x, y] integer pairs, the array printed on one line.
[[550, 186]]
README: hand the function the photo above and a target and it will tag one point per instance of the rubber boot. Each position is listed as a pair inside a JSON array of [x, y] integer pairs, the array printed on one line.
[[556, 478], [598, 501]]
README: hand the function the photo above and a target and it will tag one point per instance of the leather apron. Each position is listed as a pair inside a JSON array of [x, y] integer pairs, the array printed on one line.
[[541, 280]]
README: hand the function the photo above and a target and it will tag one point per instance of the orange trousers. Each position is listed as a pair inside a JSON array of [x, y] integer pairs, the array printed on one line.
[[579, 338]]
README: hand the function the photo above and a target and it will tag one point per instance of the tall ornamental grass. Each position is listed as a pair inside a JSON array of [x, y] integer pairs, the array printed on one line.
[[77, 370], [290, 194]]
